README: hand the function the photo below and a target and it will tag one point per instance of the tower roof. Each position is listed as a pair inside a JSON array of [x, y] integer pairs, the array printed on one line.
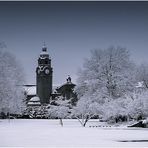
[[44, 52], [44, 49]]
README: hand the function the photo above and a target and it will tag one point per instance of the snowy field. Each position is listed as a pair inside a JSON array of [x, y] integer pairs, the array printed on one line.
[[49, 133]]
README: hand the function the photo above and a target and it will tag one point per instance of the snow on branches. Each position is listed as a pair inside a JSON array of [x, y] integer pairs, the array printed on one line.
[[107, 84], [11, 77]]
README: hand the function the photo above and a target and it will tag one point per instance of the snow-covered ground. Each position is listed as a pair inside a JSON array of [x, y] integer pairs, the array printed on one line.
[[49, 133]]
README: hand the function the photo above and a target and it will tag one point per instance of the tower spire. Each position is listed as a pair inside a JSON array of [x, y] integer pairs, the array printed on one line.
[[44, 44], [44, 48]]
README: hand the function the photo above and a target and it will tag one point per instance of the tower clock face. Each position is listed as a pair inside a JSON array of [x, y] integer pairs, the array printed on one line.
[[46, 71]]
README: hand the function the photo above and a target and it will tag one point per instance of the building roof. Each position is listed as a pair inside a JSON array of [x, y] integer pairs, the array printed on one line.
[[34, 99], [65, 85], [44, 54], [30, 90], [34, 103]]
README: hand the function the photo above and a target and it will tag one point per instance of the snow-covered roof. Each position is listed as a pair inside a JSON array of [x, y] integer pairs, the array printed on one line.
[[44, 53], [34, 99], [67, 83], [139, 85], [30, 90], [34, 103], [54, 89]]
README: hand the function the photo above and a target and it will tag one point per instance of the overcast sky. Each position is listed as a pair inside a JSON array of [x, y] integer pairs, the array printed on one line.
[[71, 30]]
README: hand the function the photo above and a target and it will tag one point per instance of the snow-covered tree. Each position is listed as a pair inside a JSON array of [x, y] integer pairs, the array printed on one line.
[[116, 110], [142, 74], [137, 108], [11, 77], [59, 112], [108, 72], [40, 112], [106, 76], [60, 108], [85, 109]]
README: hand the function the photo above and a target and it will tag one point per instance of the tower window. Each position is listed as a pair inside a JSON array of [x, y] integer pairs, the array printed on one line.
[[46, 62]]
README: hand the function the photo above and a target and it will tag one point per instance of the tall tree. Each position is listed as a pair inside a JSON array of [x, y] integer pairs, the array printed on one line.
[[11, 77], [107, 75]]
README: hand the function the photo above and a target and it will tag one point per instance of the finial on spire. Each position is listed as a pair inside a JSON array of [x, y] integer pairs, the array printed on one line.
[[44, 44], [44, 49]]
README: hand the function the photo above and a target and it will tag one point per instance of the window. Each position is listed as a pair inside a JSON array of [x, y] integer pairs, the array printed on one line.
[[46, 62]]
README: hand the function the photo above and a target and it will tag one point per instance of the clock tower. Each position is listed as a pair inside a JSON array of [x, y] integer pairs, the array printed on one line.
[[44, 77]]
